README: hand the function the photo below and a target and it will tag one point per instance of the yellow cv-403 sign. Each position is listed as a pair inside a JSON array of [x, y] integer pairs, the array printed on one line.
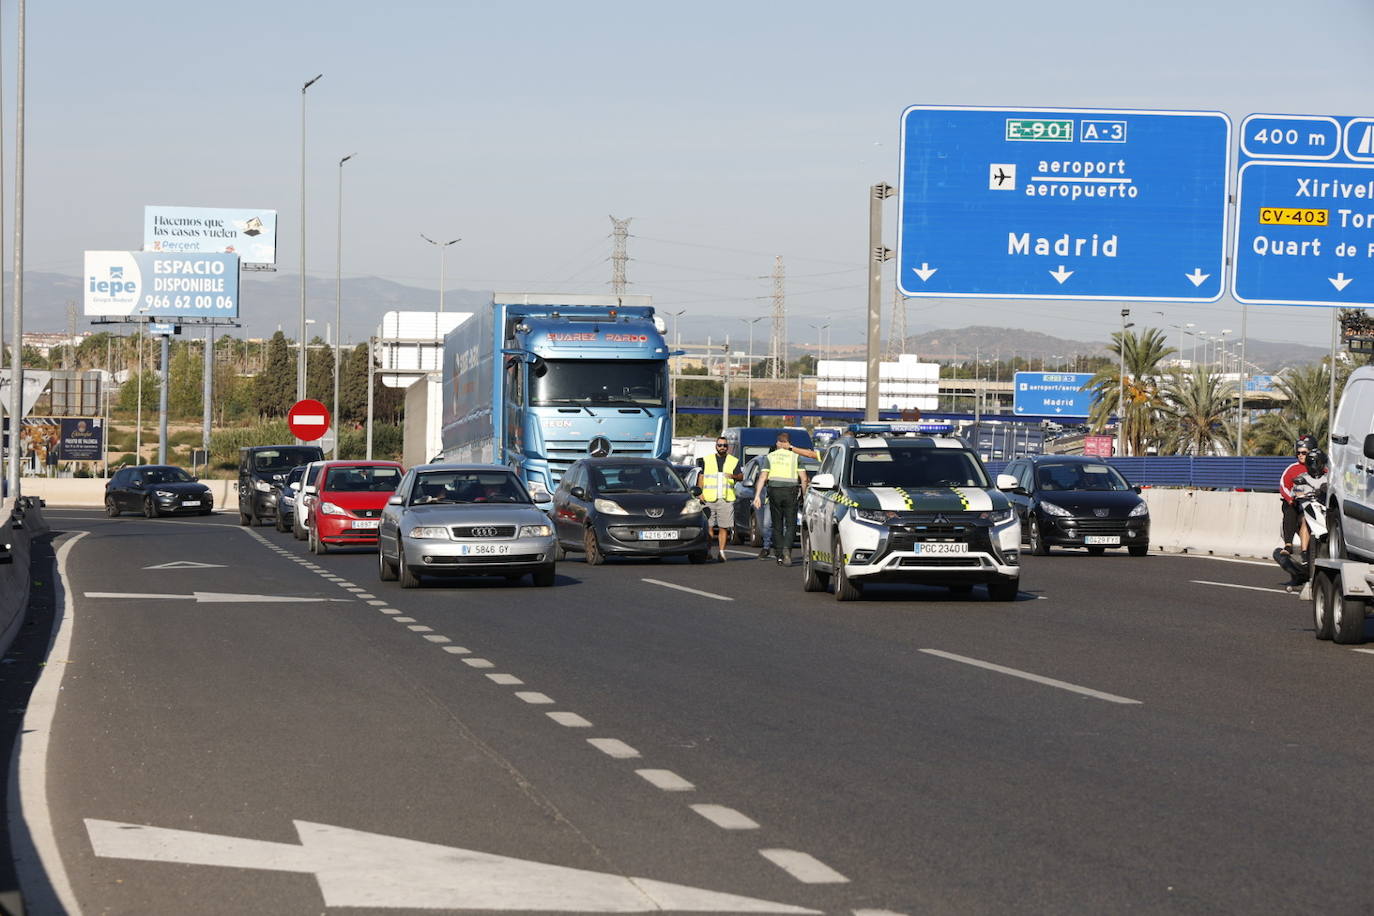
[[1281, 216]]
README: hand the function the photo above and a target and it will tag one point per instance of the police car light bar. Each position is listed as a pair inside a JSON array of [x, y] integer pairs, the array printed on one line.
[[909, 428]]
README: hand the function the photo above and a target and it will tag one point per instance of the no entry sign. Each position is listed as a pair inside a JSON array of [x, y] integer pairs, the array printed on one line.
[[308, 420]]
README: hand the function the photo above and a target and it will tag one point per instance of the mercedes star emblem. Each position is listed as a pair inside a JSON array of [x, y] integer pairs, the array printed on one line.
[[599, 447]]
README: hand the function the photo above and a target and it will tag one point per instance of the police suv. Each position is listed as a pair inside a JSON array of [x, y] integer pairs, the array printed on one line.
[[893, 504]]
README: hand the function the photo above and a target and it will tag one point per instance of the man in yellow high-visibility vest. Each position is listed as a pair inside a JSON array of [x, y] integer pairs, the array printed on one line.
[[783, 479], [718, 475]]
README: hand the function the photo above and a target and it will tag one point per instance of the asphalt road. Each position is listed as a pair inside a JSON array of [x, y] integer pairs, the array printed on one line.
[[1131, 735]]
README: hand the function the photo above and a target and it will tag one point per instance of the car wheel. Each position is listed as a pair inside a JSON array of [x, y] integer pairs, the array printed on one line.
[[317, 546], [403, 572], [1038, 547], [149, 508], [592, 548], [755, 535], [701, 556], [813, 580], [281, 523], [1335, 537], [1139, 550], [544, 576], [844, 589], [111, 509], [385, 571], [559, 552], [1347, 618], [1004, 589], [245, 519], [206, 511], [1096, 551], [1323, 592]]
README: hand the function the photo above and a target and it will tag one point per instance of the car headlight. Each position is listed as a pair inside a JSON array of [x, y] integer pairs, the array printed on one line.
[[535, 531], [608, 507], [262, 486], [331, 509], [165, 494], [1052, 509], [430, 532], [1001, 516], [1142, 508], [691, 506], [876, 516]]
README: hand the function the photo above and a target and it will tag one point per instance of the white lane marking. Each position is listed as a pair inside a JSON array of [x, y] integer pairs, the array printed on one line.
[[215, 597], [742, 553], [375, 602], [666, 780], [479, 663], [1026, 675], [404, 619], [1365, 651], [613, 747], [355, 590], [437, 638], [457, 650], [569, 719], [508, 680], [42, 876], [683, 588], [804, 867], [356, 869], [420, 628], [388, 610], [725, 818], [1203, 556], [1248, 588], [533, 696], [365, 595], [877, 913]]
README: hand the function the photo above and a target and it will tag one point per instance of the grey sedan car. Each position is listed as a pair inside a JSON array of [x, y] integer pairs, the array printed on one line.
[[463, 520]]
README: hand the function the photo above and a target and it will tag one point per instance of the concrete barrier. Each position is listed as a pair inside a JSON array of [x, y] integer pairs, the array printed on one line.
[[14, 576], [1214, 522]]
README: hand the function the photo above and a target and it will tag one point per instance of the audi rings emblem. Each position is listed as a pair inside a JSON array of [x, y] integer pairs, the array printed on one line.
[[654, 513], [599, 447], [485, 532]]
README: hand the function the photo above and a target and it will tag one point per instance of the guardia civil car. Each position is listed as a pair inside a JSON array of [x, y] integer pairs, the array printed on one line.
[[892, 504]]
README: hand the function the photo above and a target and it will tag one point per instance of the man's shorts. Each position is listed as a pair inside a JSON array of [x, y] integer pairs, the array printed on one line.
[[721, 513]]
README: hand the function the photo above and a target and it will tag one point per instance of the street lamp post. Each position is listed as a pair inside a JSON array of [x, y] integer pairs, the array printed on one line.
[[749, 383], [1121, 393], [337, 330], [443, 250], [300, 361]]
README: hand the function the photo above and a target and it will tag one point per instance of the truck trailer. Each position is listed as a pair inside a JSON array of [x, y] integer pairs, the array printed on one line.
[[539, 380]]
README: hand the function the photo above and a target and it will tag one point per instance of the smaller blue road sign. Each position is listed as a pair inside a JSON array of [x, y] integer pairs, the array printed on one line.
[[1305, 211], [1052, 394]]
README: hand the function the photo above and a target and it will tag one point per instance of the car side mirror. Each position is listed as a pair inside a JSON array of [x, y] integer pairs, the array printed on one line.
[[696, 491], [823, 482], [294, 485], [1007, 482], [1136, 489], [1369, 446], [396, 501], [310, 490], [578, 493]]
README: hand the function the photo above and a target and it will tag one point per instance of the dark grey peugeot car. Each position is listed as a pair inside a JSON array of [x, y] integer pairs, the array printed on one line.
[[629, 507], [1077, 501]]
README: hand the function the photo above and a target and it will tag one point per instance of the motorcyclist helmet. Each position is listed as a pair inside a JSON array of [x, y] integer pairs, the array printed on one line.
[[1306, 444]]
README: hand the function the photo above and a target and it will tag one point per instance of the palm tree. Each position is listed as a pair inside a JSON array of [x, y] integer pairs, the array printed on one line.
[[1143, 354], [1193, 413], [1305, 413]]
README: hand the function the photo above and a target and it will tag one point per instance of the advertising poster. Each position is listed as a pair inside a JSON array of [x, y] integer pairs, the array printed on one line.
[[80, 439], [250, 234], [143, 284]]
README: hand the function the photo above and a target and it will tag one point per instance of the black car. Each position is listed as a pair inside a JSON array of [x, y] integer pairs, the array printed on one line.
[[286, 497], [156, 489], [262, 471], [629, 507], [1077, 501]]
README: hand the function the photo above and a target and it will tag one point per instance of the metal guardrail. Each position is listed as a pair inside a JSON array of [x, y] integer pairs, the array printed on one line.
[[1206, 472]]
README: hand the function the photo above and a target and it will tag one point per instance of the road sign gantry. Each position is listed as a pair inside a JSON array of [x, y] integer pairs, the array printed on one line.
[[1058, 203]]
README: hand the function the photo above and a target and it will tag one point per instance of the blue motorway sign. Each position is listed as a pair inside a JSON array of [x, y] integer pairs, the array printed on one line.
[[1059, 203], [1305, 211], [1052, 394]]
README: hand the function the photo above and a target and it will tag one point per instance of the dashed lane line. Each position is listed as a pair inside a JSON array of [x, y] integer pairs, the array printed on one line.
[[725, 818], [436, 638], [420, 628], [569, 719], [1248, 588], [1036, 678], [666, 780], [479, 663], [534, 697], [804, 867], [506, 680], [683, 588], [404, 619], [612, 747], [457, 650]]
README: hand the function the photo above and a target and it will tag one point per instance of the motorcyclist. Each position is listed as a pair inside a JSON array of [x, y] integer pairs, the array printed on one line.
[[1293, 524]]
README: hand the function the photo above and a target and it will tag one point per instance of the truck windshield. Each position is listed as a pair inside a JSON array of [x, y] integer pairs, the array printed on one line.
[[629, 383], [913, 466]]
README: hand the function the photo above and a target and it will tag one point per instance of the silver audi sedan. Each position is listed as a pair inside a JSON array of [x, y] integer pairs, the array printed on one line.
[[463, 520]]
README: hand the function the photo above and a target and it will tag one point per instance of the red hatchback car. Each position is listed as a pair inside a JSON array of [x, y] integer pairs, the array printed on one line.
[[349, 498]]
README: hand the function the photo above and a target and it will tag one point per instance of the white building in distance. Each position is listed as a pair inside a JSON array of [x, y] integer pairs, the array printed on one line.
[[902, 385]]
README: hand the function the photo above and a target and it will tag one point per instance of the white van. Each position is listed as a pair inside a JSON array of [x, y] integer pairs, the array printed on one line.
[[1350, 501]]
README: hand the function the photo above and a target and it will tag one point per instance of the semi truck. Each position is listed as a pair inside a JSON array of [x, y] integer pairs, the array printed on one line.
[[539, 380]]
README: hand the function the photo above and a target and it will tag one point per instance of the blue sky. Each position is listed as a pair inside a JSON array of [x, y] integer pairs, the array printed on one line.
[[730, 132]]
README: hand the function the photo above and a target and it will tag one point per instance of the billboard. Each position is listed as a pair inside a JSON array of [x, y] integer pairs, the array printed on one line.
[[80, 439], [250, 234], [145, 284]]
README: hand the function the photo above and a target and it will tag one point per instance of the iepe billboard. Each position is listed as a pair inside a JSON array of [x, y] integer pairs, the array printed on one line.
[[145, 284]]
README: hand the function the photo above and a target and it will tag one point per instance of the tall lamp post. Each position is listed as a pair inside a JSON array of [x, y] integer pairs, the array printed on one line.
[[443, 250], [749, 383], [338, 306], [1121, 393], [672, 375], [300, 361], [17, 330]]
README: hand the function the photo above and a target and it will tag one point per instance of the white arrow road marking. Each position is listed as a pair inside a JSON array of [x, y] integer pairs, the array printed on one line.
[[1026, 675], [216, 598], [1061, 274], [925, 271], [359, 869], [1197, 276], [1340, 281], [186, 564]]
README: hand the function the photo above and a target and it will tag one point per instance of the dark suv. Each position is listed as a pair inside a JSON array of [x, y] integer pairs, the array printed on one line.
[[263, 470]]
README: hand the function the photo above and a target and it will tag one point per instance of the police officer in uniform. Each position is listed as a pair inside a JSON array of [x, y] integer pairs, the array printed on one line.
[[783, 479], [718, 475]]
